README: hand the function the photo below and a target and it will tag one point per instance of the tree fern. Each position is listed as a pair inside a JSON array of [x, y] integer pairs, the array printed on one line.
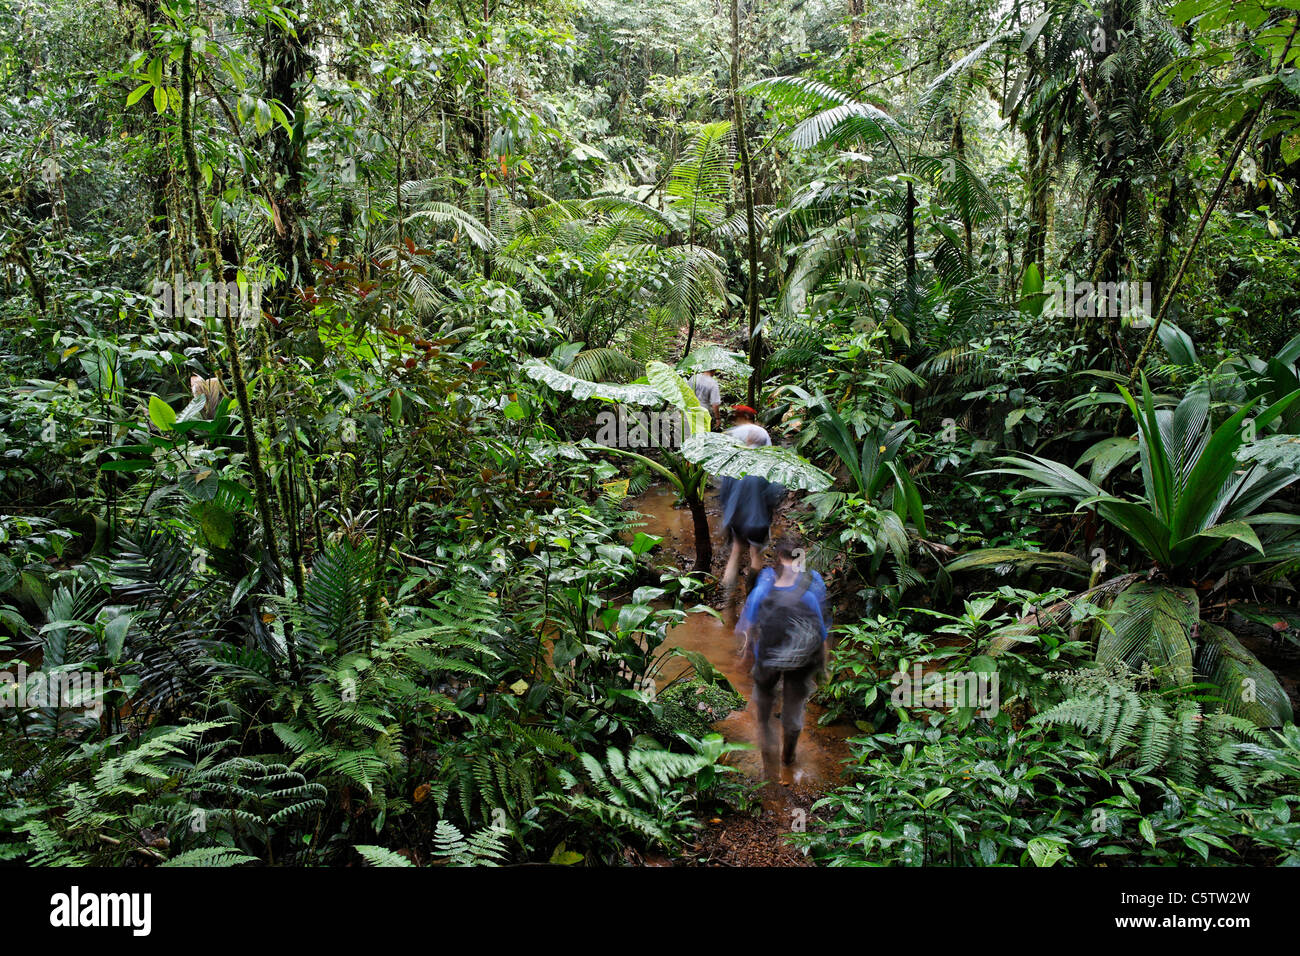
[[700, 181], [603, 364]]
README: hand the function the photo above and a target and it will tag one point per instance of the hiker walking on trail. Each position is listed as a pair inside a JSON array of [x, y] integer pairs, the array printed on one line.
[[709, 393], [784, 626], [747, 429], [747, 506]]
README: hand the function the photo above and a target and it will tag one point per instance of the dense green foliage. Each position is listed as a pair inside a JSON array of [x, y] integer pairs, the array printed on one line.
[[313, 313]]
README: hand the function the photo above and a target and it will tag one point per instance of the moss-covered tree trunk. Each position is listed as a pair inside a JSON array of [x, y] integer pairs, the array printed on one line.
[[261, 487], [751, 228], [288, 65]]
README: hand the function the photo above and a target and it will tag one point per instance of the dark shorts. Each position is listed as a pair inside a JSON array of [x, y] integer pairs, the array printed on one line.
[[755, 536]]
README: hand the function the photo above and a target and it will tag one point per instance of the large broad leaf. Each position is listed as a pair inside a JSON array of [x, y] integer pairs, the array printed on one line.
[[1154, 623], [1289, 354], [581, 388], [1032, 298], [715, 358], [677, 393], [1233, 530], [1281, 452], [1177, 343], [1053, 478], [161, 414], [1249, 688], [879, 450], [1195, 498], [1106, 455], [1157, 477], [837, 436], [1213, 491], [720, 454], [1136, 520], [907, 500]]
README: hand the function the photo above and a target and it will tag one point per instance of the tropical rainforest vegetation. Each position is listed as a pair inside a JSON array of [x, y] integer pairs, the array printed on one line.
[[312, 312]]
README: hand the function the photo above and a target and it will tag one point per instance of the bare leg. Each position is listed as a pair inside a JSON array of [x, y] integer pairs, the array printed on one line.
[[755, 566], [733, 564]]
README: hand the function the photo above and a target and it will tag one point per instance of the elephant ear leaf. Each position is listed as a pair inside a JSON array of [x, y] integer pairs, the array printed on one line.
[[581, 388], [722, 455], [714, 357], [1154, 623], [677, 393]]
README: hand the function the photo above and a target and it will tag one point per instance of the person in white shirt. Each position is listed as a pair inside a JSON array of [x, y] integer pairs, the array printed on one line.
[[707, 391], [747, 430]]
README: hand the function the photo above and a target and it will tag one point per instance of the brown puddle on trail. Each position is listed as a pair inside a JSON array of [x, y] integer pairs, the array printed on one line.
[[821, 749]]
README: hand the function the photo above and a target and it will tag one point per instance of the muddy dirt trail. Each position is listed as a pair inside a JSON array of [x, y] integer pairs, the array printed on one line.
[[821, 749]]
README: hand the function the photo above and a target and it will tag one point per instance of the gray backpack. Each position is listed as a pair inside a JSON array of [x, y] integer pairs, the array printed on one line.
[[789, 635]]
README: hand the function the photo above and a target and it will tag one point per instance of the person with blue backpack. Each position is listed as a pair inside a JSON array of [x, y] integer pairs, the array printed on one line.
[[784, 625]]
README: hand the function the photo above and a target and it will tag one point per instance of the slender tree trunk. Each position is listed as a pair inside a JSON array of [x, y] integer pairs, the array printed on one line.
[[911, 231], [703, 536], [288, 66], [486, 142], [1169, 216], [1038, 163], [260, 485], [751, 228]]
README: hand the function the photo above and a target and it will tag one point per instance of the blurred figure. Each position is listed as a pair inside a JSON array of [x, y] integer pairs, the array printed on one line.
[[747, 503], [747, 507], [784, 627], [747, 429], [709, 393]]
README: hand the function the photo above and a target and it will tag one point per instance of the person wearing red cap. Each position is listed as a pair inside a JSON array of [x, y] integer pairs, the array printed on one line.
[[746, 429]]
